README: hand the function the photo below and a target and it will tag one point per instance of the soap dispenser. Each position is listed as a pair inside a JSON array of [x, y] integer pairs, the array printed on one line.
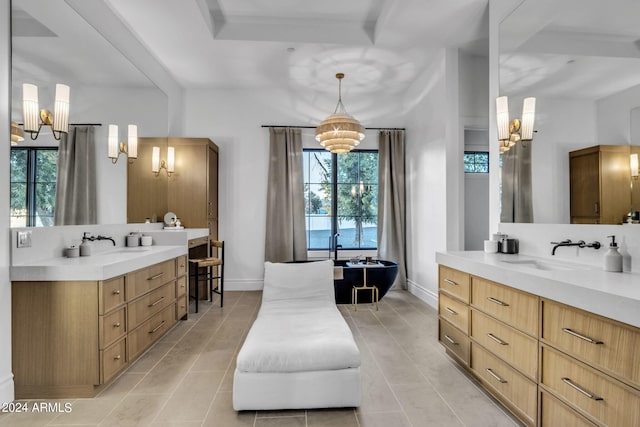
[[85, 246], [613, 258]]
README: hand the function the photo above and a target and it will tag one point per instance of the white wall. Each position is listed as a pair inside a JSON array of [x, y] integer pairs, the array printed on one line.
[[429, 133], [6, 377], [614, 116]]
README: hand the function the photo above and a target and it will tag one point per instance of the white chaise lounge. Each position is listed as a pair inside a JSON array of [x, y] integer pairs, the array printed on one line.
[[300, 352]]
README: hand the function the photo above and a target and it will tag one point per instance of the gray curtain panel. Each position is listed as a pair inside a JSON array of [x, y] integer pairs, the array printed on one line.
[[286, 238], [392, 202], [516, 201], [76, 186]]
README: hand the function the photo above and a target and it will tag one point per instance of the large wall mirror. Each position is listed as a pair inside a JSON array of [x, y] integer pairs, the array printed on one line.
[[52, 43], [581, 60]]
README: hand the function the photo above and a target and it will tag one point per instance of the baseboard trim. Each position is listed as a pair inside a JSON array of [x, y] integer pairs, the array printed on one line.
[[6, 389], [243, 285], [423, 293]]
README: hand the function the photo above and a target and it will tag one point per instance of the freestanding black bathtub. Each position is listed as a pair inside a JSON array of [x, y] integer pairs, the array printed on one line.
[[380, 276]]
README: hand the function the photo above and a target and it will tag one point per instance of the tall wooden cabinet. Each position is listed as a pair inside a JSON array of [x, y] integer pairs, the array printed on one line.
[[599, 179], [191, 192]]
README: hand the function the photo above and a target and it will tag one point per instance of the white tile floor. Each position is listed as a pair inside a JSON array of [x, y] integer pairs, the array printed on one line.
[[186, 378]]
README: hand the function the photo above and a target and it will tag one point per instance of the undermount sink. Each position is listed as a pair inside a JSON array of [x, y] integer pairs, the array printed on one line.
[[544, 265]]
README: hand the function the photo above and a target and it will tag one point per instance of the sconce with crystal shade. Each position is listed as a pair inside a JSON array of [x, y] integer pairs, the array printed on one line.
[[510, 132], [340, 132], [116, 147], [157, 164], [34, 118]]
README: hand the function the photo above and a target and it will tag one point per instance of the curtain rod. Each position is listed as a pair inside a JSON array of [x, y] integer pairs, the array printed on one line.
[[75, 124], [313, 127]]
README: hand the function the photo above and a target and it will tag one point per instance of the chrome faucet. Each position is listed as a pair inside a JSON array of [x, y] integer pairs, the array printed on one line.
[[579, 243]]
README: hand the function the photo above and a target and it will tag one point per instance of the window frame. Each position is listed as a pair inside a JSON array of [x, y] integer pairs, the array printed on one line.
[[31, 183], [474, 152], [334, 200]]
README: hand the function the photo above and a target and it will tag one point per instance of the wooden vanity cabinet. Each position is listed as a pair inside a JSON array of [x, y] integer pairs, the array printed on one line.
[[549, 363], [70, 338], [599, 180]]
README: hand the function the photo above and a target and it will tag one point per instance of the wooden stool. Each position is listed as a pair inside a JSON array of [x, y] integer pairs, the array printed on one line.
[[214, 271]]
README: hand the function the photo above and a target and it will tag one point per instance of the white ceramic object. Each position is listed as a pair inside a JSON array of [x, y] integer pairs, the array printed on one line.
[[146, 240]]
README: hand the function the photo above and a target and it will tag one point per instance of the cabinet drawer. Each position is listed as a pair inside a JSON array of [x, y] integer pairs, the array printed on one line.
[[598, 395], [112, 360], [111, 294], [147, 333], [454, 340], [198, 241], [515, 308], [454, 311], [509, 344], [455, 282], [182, 306], [181, 286], [516, 390], [181, 265], [142, 281], [112, 327], [149, 304], [553, 413], [598, 341]]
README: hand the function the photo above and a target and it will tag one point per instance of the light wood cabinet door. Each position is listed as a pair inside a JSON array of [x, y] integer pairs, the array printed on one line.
[[112, 360], [146, 192], [149, 304], [144, 280], [455, 341], [509, 344], [454, 311], [517, 391], [604, 343], [111, 294], [513, 307], [555, 413], [113, 326], [605, 399], [454, 282]]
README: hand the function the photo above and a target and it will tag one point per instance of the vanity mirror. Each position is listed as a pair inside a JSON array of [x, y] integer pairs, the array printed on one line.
[[52, 43], [581, 60]]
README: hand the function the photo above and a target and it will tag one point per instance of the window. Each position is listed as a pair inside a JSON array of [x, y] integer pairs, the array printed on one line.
[[341, 196], [476, 162], [33, 186]]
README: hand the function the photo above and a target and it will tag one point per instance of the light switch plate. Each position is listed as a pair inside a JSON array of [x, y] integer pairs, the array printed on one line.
[[24, 239]]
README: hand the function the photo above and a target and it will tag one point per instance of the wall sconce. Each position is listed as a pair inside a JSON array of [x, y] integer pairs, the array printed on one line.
[[633, 162], [16, 134], [59, 121], [510, 132], [157, 164], [115, 147]]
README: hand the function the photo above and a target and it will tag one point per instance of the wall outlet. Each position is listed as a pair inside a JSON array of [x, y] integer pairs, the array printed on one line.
[[24, 239]]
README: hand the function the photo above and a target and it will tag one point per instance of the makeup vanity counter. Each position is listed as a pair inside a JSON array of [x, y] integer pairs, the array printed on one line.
[[78, 322], [557, 343]]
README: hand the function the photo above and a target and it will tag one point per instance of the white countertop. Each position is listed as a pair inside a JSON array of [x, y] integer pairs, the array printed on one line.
[[98, 266], [588, 287]]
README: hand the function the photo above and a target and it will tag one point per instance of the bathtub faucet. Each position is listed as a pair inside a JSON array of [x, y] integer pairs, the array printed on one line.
[[336, 246]]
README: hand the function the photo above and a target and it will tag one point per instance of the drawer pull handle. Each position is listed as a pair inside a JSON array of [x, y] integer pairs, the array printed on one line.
[[500, 380], [451, 340], [582, 337], [156, 276], [450, 311], [155, 303], [496, 339], [580, 389], [451, 282], [116, 357], [116, 292], [497, 301], [157, 327], [116, 325]]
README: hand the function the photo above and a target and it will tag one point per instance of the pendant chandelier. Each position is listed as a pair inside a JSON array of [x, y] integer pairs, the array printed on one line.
[[340, 132]]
